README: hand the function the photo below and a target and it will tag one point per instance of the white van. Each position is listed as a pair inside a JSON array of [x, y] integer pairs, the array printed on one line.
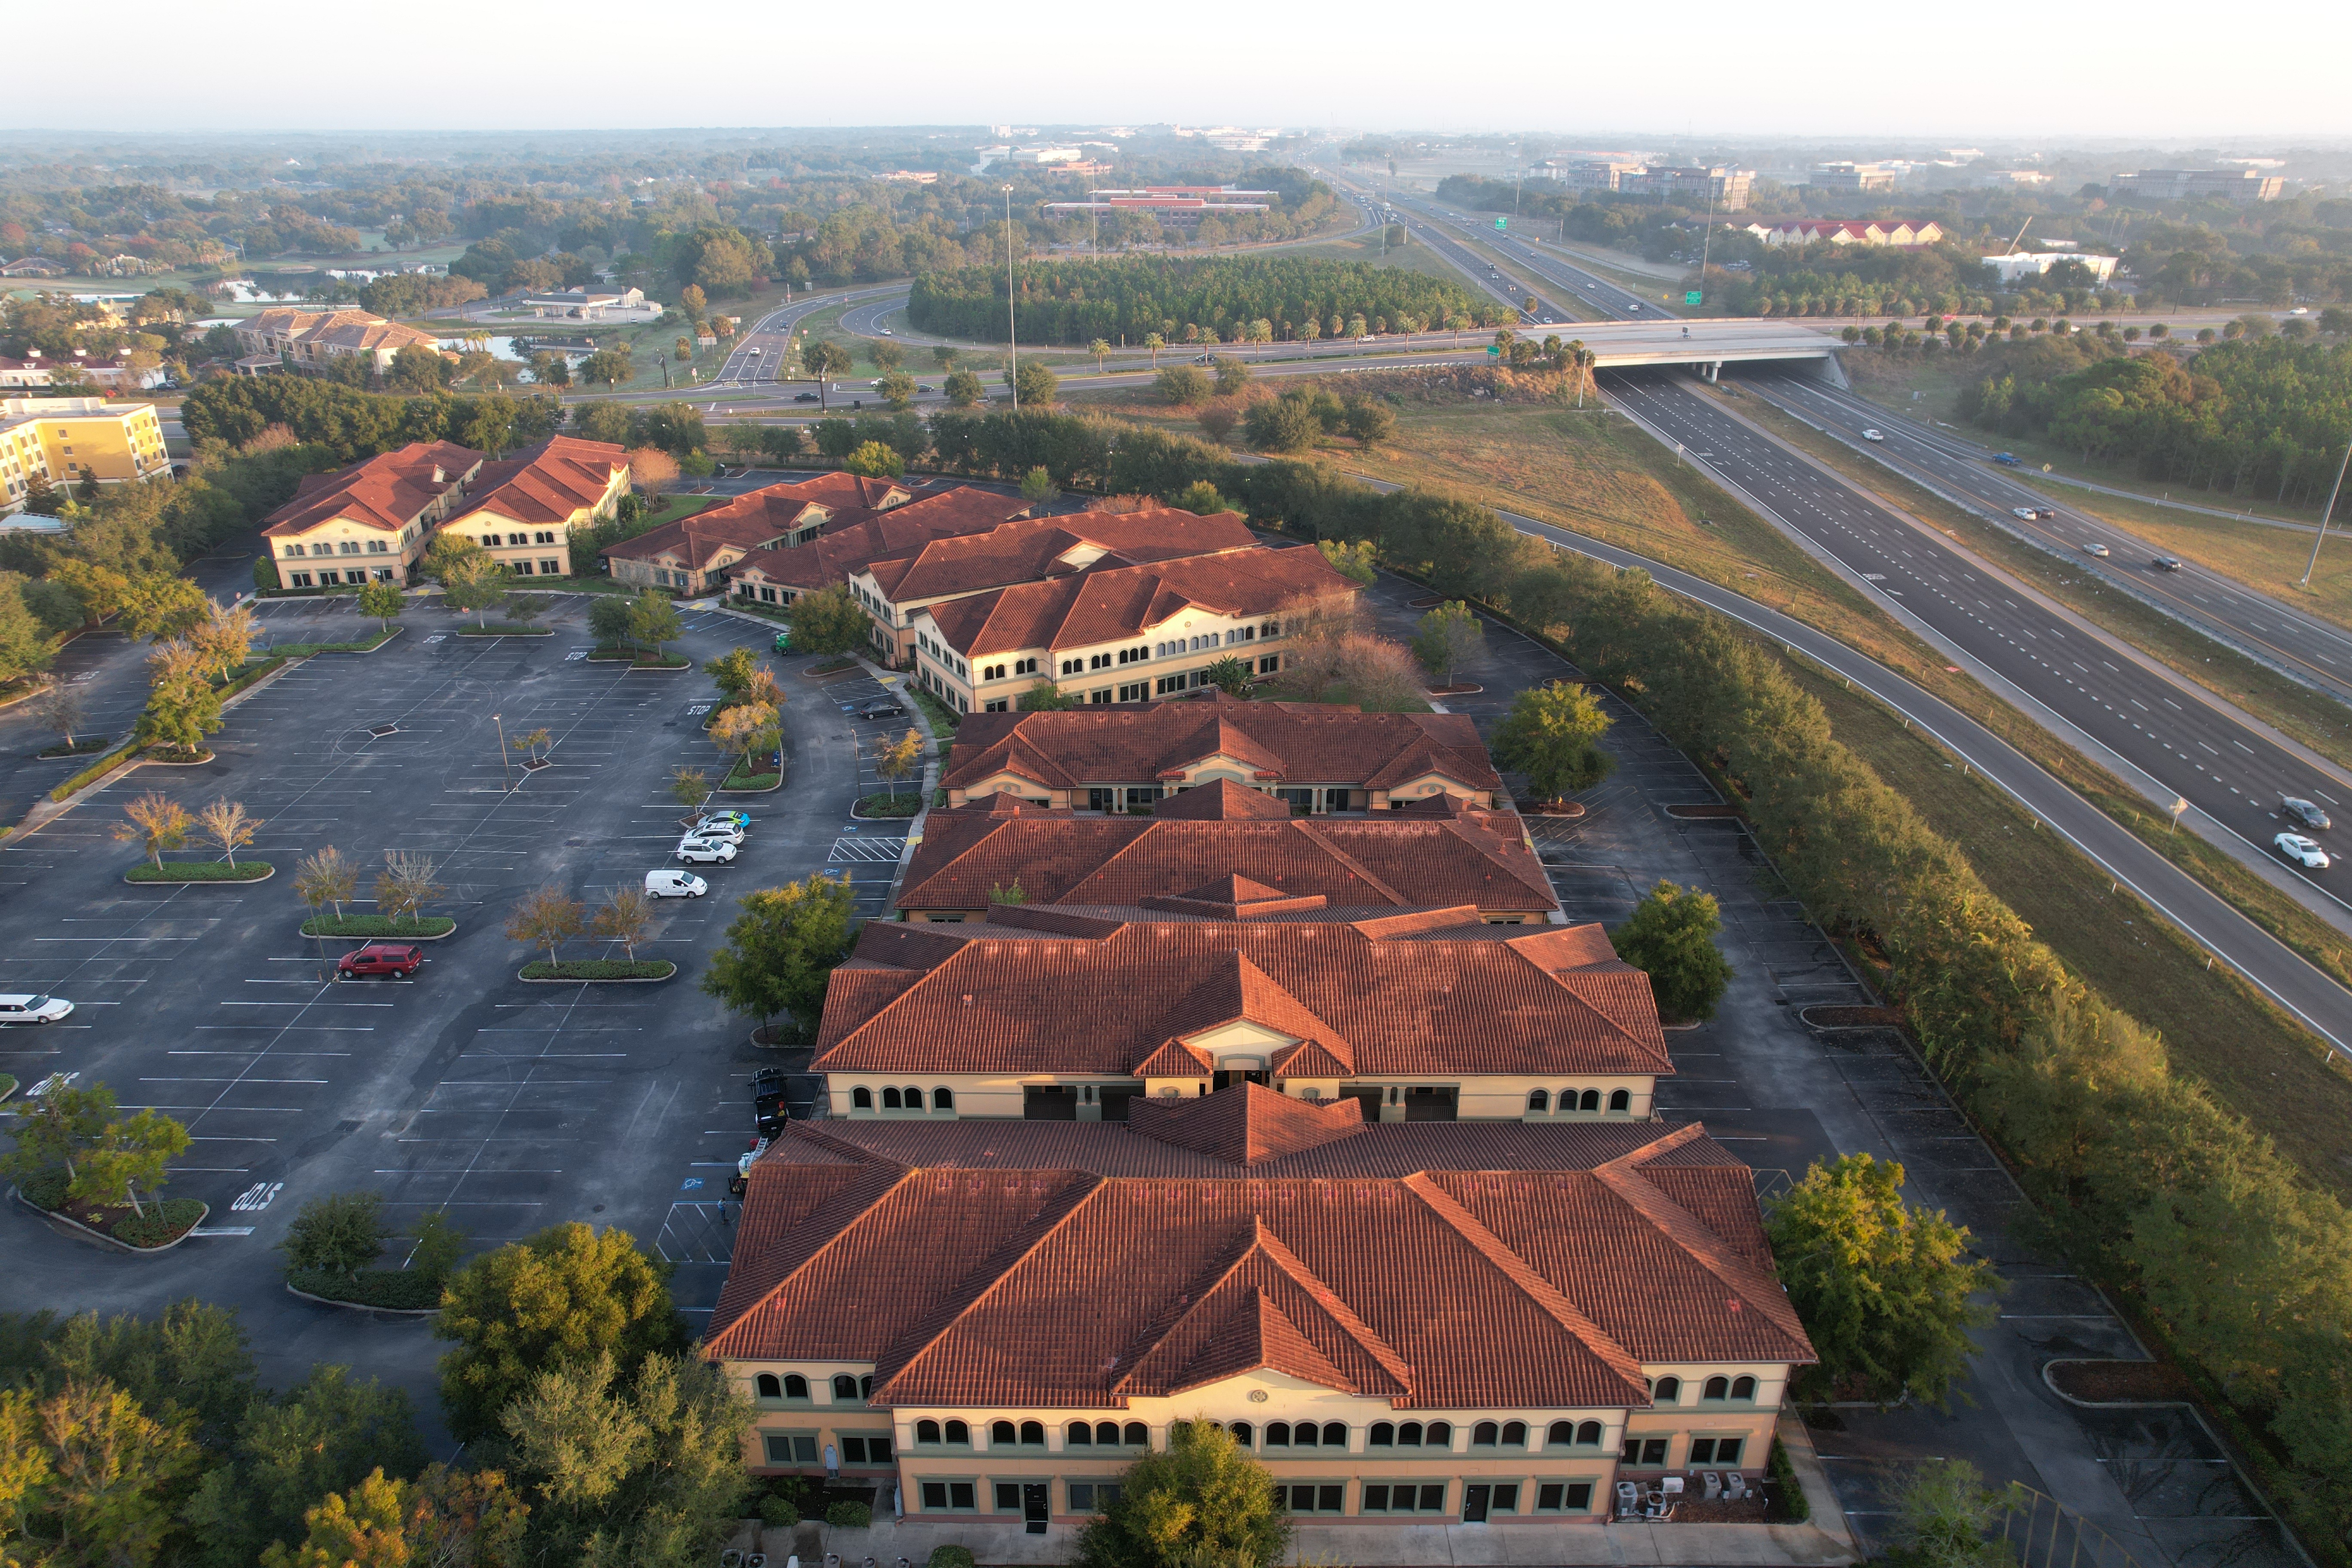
[[675, 885]]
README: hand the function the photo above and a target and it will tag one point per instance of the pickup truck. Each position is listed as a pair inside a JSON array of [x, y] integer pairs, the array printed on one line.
[[2009, 459]]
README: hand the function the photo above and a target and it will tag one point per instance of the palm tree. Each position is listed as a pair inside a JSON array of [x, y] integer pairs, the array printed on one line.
[[1098, 348], [1155, 343]]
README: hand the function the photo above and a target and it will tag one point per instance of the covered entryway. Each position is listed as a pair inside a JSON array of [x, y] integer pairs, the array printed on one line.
[[1425, 1104], [1049, 1102]]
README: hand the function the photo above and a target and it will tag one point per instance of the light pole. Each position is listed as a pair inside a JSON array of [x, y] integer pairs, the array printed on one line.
[[1012, 334], [505, 766], [2323, 516]]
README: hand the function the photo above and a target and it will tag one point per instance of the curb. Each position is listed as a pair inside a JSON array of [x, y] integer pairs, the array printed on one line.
[[751, 789], [314, 936], [183, 761], [358, 1307], [2052, 1384], [616, 980], [858, 815], [101, 1237], [461, 632], [71, 756], [198, 881]]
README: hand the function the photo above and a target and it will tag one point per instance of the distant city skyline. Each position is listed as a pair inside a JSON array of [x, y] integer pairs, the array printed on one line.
[[1711, 69]]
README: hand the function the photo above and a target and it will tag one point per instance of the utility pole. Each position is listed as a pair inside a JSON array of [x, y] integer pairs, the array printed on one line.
[[2323, 516], [1012, 333], [504, 761], [1705, 236]]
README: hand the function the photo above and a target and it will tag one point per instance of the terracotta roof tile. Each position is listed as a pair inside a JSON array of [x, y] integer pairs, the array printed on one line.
[[386, 491], [1107, 604], [552, 482], [1034, 549]]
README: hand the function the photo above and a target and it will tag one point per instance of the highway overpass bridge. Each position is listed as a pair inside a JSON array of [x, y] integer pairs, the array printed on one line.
[[1703, 345]]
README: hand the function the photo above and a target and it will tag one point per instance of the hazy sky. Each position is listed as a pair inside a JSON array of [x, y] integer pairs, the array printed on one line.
[[2061, 68]]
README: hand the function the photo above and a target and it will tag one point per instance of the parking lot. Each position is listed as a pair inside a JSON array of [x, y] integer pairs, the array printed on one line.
[[512, 1105]]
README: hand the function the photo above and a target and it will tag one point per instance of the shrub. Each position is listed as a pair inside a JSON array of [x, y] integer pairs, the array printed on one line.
[[778, 1513], [850, 1515], [951, 1557], [1789, 1500]]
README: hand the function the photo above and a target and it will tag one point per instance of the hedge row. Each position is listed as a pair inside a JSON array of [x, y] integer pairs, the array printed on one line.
[[2245, 1268], [395, 1289]]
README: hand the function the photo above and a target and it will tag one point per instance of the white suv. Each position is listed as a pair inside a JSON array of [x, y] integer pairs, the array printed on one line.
[[693, 848], [27, 1009]]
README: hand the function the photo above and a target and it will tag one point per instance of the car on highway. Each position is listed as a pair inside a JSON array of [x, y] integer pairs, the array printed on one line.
[[694, 849], [396, 959], [2025, 512], [1635, 309], [2302, 851], [2093, 547], [806, 397], [675, 885], [2009, 459], [1873, 436], [2306, 812], [25, 1008], [2165, 562], [888, 333]]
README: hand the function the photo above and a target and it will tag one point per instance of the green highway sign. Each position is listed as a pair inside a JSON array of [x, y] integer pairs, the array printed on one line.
[[1502, 222], [1494, 350], [1691, 296]]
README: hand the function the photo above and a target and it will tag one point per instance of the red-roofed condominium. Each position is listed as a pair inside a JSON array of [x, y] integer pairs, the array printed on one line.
[[1077, 1013], [523, 509], [371, 522], [1130, 634], [1316, 756], [692, 554], [1407, 1325]]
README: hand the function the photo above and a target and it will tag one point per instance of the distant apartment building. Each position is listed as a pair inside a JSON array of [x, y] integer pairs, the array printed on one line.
[[911, 177], [1588, 174], [1036, 156], [2029, 178], [1854, 179], [588, 304], [2025, 263], [69, 440], [1727, 188], [30, 371], [2198, 184], [312, 339], [32, 267], [1900, 233]]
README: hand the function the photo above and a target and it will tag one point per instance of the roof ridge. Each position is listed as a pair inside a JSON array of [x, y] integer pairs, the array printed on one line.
[[1498, 853], [1579, 999], [1325, 1296], [1695, 1237], [851, 1194], [1545, 1296], [1349, 861]]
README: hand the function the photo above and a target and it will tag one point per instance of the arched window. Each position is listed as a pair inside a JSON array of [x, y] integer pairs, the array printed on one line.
[[913, 1099], [1743, 1388], [942, 1099], [1669, 1391], [844, 1386], [1561, 1432], [768, 1386], [1033, 1434], [1335, 1433], [1304, 1435], [1277, 1435], [1408, 1434], [795, 1386], [958, 1431], [1514, 1434], [1538, 1101], [1080, 1433], [1001, 1432], [1241, 1431], [927, 1431], [1716, 1388], [1107, 1434], [1483, 1435], [865, 1386], [861, 1099], [1440, 1435], [1592, 1100], [889, 1099], [1383, 1435], [1139, 1435], [1589, 1432], [1621, 1100]]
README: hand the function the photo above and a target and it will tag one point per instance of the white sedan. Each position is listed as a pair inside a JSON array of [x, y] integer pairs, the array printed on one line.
[[692, 850], [2302, 851], [2094, 549], [675, 885], [1872, 436], [717, 827], [29, 1009]]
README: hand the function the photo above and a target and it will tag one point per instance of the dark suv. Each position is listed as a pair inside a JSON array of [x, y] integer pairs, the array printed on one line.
[[767, 1107], [380, 958]]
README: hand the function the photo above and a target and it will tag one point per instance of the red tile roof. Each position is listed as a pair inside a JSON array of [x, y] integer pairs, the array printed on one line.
[[850, 539], [1037, 549], [1102, 607], [1434, 1265], [1292, 742], [385, 492], [1433, 991], [1384, 860], [549, 482]]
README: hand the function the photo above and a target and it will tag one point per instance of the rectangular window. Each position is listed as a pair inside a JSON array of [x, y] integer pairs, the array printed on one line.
[[864, 1450], [1506, 1497], [791, 1448], [329, 579], [1001, 705], [1270, 664], [1314, 1497], [522, 568], [1102, 696], [1647, 1452], [949, 1496], [1092, 1497], [767, 595], [550, 569], [298, 579], [1724, 1451], [1564, 1497], [1138, 692], [1008, 1497], [1405, 1497]]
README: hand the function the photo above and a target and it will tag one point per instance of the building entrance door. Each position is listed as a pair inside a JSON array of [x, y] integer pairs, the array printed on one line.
[[1473, 1502], [1033, 1510]]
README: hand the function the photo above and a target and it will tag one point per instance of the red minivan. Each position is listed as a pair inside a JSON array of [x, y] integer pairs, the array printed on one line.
[[380, 958]]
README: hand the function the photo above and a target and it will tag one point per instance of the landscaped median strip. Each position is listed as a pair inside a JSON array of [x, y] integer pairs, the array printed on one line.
[[202, 871], [594, 970], [380, 928]]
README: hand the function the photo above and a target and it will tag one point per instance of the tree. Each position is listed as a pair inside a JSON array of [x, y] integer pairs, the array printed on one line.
[[652, 472], [1046, 698], [547, 917], [643, 1467], [1154, 342], [1551, 735], [1185, 386], [1037, 484], [608, 619], [894, 760], [1369, 420], [385, 601], [321, 1435], [557, 1299], [1353, 562], [58, 707], [690, 787], [898, 389], [88, 1477], [182, 705], [336, 1233], [472, 580], [1446, 635], [1281, 425], [444, 1519], [964, 388], [106, 1160], [875, 460], [157, 823], [1945, 1516], [531, 741], [781, 947], [1034, 387], [405, 885], [1230, 673], [944, 356], [1670, 937], [1203, 1501], [823, 361], [1202, 499], [1885, 1291], [227, 824], [223, 639], [159, 605], [731, 672], [654, 620], [57, 1129], [829, 621], [607, 367], [739, 731], [1098, 348], [1233, 375], [624, 916]]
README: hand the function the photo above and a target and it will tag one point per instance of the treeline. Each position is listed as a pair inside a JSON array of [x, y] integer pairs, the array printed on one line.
[[1128, 299], [2276, 252], [414, 293], [2164, 1194], [2268, 417], [352, 423]]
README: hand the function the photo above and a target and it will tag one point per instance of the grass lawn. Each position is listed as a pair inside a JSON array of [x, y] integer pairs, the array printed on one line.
[[1367, 248], [2317, 721]]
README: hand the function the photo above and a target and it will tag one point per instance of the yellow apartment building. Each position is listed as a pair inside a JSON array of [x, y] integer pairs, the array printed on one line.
[[66, 441]]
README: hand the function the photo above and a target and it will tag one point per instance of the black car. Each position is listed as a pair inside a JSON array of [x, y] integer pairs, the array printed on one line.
[[2305, 812], [806, 397], [880, 708], [768, 1106], [2165, 562]]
